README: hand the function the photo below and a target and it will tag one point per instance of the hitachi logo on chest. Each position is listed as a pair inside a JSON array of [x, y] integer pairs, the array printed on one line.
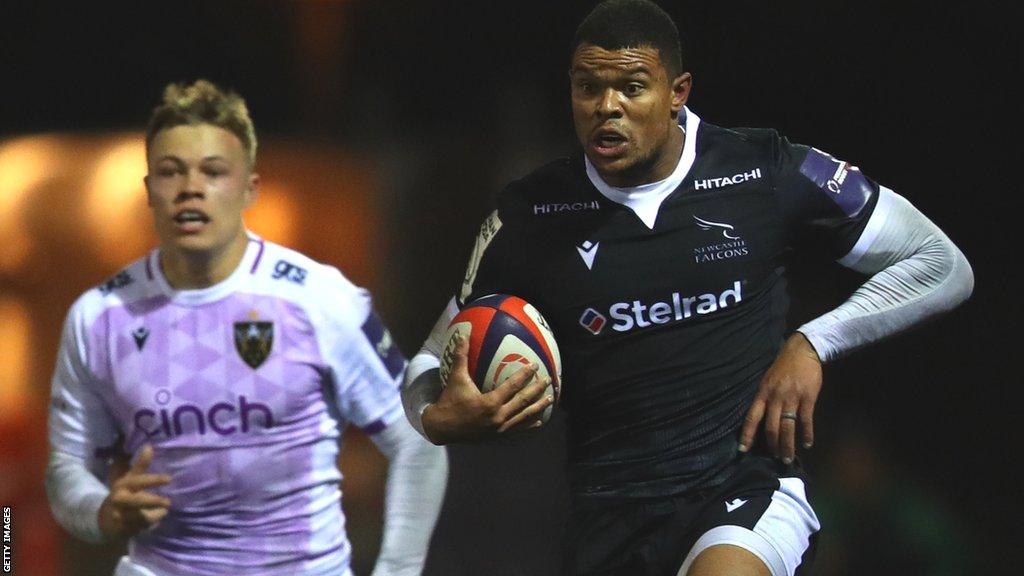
[[556, 207], [709, 183], [637, 314], [222, 418]]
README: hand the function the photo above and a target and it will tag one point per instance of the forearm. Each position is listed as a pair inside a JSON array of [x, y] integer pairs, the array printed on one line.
[[918, 273], [75, 495], [417, 477], [422, 388], [422, 379]]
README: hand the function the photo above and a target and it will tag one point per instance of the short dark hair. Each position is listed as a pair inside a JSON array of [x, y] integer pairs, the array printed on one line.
[[618, 24]]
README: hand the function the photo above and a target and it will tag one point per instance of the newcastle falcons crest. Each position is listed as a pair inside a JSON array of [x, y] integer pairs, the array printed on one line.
[[253, 340]]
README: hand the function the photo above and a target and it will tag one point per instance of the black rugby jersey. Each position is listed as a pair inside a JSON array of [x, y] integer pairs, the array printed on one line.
[[665, 332]]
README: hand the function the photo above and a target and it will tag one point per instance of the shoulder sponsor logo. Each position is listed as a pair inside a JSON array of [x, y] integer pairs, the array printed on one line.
[[627, 316], [290, 272], [732, 247], [559, 207], [140, 335], [588, 251], [730, 506], [711, 183], [120, 280], [846, 185]]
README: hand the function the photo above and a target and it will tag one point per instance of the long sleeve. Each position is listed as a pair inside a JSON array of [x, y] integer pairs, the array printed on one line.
[[918, 273]]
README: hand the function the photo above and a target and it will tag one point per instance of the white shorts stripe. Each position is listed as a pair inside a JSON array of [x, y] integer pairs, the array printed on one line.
[[780, 537]]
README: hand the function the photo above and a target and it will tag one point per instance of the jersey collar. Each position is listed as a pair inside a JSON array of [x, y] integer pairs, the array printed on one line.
[[250, 262], [645, 200]]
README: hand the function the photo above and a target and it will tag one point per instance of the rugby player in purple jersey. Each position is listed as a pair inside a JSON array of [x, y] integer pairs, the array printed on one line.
[[228, 366]]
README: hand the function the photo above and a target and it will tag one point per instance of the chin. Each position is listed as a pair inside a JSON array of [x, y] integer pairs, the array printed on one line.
[[195, 245]]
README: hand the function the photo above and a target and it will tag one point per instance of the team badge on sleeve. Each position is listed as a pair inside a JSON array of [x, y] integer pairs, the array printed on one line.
[[843, 182], [383, 344], [253, 340]]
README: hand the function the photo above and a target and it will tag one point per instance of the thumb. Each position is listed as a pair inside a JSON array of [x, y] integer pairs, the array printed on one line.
[[460, 365]]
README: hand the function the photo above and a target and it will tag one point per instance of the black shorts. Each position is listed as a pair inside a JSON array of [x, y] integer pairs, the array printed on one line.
[[762, 507]]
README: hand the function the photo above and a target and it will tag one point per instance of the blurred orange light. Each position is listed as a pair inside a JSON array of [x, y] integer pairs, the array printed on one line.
[[15, 334], [117, 200], [24, 164], [273, 215]]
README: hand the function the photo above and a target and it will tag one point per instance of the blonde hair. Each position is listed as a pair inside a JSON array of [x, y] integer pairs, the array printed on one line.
[[203, 102]]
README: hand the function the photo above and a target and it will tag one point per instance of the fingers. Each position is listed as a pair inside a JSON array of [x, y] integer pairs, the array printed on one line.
[[787, 435], [140, 500], [137, 482], [529, 416], [516, 384], [751, 423], [136, 521], [807, 424], [141, 463]]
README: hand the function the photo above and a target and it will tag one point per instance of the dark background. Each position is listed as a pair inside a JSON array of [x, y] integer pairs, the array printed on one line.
[[449, 100]]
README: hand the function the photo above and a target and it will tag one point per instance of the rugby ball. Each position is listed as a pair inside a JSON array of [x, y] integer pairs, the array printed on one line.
[[505, 333]]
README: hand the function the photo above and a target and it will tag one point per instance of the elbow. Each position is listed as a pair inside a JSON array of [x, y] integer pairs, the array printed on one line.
[[963, 279]]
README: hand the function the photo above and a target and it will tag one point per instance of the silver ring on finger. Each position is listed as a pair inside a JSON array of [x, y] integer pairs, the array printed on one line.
[[788, 416]]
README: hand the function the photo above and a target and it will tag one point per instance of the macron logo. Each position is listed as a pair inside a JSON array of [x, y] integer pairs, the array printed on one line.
[[730, 506], [588, 250]]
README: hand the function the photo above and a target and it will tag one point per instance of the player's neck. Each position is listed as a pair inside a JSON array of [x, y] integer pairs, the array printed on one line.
[[197, 270]]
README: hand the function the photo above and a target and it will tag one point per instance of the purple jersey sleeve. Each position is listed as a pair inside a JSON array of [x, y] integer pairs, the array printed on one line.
[[366, 364]]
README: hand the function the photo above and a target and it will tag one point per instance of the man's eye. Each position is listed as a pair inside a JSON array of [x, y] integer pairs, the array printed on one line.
[[634, 88]]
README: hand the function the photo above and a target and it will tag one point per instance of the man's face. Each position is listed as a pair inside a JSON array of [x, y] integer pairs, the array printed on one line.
[[625, 109], [198, 184]]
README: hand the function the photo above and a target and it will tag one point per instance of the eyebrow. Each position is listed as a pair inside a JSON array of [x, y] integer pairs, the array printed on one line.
[[174, 158], [632, 70]]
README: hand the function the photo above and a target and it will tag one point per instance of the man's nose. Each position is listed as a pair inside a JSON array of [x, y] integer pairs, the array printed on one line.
[[610, 105], [191, 186]]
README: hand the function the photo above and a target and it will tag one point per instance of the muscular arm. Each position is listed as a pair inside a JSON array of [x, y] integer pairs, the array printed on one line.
[[417, 476], [918, 273]]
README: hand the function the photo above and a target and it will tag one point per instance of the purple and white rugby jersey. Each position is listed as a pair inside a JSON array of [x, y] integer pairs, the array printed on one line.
[[242, 388]]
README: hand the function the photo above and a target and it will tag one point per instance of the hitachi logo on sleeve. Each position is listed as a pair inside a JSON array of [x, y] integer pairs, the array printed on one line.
[[709, 183], [637, 314]]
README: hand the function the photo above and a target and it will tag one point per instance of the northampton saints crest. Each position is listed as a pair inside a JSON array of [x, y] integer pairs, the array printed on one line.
[[253, 340]]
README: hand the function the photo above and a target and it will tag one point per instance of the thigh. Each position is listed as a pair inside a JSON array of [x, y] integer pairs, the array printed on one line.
[[727, 560], [771, 520]]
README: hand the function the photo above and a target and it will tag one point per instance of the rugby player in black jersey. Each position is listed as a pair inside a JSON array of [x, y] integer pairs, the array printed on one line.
[[656, 256]]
